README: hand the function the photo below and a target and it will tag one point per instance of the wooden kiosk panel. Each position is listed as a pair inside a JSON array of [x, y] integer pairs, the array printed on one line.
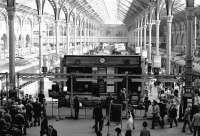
[[82, 60], [97, 65]]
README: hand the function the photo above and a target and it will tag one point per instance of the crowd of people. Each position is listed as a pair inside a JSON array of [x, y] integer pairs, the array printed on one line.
[[166, 111], [19, 114], [171, 108]]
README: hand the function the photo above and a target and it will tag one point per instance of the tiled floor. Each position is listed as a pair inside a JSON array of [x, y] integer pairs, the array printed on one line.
[[82, 127]]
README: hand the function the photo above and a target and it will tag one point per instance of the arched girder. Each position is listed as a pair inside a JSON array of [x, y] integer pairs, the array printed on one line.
[[40, 6], [54, 6], [78, 20], [60, 5], [72, 17], [83, 22], [66, 13], [158, 6], [25, 18], [4, 15], [151, 11]]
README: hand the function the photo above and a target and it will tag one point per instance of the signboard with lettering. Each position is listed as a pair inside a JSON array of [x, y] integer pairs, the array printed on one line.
[[144, 53], [115, 113], [102, 61], [188, 90], [157, 61], [110, 81], [137, 50]]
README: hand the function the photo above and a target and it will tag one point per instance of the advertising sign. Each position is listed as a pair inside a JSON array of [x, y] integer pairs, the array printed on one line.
[[110, 81], [144, 53], [157, 61], [188, 91], [137, 50]]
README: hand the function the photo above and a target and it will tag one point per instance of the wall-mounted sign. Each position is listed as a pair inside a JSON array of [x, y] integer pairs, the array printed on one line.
[[144, 53], [157, 61], [137, 50], [188, 91]]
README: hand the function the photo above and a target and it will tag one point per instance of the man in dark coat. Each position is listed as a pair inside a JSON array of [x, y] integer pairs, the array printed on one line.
[[163, 112], [20, 122], [52, 131], [156, 113], [44, 126], [186, 118], [98, 116], [108, 101], [172, 115], [29, 113], [37, 112], [76, 106]]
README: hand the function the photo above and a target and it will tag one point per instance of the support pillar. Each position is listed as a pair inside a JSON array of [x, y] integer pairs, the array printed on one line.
[[93, 37], [63, 37], [85, 36], [88, 34], [80, 40], [138, 37], [57, 37], [157, 36], [75, 44], [149, 49], [41, 82], [40, 20], [11, 15], [195, 34], [169, 42], [145, 37], [67, 37], [141, 37], [189, 38], [48, 26]]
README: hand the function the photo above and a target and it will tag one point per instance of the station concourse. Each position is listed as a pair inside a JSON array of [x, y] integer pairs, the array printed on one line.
[[61, 59]]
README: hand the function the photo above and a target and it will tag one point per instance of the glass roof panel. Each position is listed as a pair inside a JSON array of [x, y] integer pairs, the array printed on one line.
[[196, 3], [106, 9], [48, 8], [179, 5], [126, 3], [28, 3]]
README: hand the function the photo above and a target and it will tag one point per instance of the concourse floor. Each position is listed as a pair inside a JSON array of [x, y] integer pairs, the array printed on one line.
[[83, 127]]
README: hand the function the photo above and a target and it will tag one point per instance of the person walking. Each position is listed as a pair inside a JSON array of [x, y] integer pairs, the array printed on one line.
[[108, 102], [155, 112], [19, 122], [37, 112], [163, 112], [29, 113], [146, 105], [196, 123], [44, 125], [130, 125], [98, 117], [76, 106], [187, 119], [145, 131], [173, 115], [196, 104]]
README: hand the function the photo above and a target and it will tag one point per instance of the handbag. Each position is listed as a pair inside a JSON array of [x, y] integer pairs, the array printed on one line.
[[80, 104]]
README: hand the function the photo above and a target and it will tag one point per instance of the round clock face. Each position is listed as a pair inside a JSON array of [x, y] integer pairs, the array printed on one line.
[[102, 60]]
